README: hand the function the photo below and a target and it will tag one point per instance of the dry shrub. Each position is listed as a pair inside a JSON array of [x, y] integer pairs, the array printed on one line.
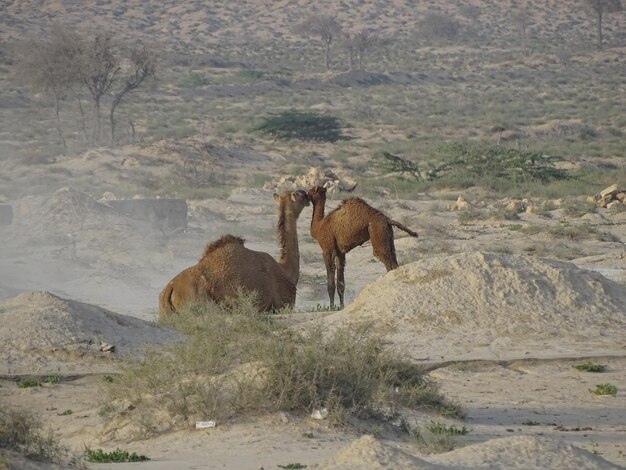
[[237, 362], [23, 433]]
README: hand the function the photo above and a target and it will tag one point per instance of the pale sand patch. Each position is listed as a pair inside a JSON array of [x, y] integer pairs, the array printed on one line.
[[519, 452], [480, 305], [43, 333]]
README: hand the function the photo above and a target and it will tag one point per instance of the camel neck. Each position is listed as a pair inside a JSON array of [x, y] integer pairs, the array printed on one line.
[[318, 216], [288, 243]]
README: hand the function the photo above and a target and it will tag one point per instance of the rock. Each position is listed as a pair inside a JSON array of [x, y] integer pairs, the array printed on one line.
[[107, 196], [460, 204], [604, 201], [320, 414], [613, 204], [106, 347], [610, 191], [620, 196], [516, 205]]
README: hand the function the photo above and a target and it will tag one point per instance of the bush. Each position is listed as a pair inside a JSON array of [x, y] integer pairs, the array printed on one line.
[[590, 367], [115, 456], [238, 362], [22, 432], [439, 26], [302, 125], [467, 164]]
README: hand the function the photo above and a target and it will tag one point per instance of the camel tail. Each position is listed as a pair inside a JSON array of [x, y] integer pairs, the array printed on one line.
[[402, 227], [165, 300]]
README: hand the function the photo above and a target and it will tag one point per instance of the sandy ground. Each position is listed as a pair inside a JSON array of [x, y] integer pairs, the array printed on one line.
[[514, 384]]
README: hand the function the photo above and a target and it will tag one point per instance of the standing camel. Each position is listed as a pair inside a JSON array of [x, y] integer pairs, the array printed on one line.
[[227, 266], [350, 225]]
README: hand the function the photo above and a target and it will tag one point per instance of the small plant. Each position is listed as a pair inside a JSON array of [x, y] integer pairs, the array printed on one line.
[[436, 427], [531, 423], [115, 456], [604, 389], [590, 367], [292, 466], [308, 435], [53, 379], [28, 383], [66, 413], [107, 379]]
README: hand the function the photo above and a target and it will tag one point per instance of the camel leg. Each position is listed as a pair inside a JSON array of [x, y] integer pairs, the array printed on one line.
[[340, 260], [329, 260], [381, 236]]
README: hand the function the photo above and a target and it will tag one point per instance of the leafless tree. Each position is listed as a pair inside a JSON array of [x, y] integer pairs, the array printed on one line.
[[599, 8], [326, 28], [50, 66], [143, 63], [522, 19], [358, 44], [100, 68]]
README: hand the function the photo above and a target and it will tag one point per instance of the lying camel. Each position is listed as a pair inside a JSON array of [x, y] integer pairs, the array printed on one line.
[[228, 266], [348, 226]]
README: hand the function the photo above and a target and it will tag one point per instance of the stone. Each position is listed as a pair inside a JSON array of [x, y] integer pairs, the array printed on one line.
[[610, 191], [612, 204]]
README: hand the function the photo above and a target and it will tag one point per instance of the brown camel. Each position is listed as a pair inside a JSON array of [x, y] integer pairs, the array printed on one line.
[[227, 266], [350, 225]]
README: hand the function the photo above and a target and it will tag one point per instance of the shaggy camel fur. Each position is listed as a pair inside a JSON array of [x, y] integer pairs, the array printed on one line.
[[348, 226], [227, 266]]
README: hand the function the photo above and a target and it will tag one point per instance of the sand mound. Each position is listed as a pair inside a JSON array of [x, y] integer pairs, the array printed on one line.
[[40, 324], [368, 453], [520, 452], [494, 306]]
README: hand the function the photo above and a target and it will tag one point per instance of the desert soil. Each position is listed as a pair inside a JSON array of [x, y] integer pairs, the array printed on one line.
[[497, 328]]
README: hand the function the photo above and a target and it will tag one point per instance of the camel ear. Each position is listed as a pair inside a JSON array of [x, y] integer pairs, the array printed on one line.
[[293, 197], [276, 197]]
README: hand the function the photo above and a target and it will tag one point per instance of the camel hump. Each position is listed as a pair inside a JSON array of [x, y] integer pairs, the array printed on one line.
[[221, 242], [402, 227]]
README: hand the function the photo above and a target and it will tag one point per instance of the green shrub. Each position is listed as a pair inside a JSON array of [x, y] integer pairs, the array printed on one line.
[[590, 367], [239, 362], [466, 164], [604, 389], [28, 383], [302, 125], [194, 80], [115, 456]]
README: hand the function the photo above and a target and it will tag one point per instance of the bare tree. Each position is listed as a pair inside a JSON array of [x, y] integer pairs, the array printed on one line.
[[358, 44], [50, 66], [326, 28], [599, 8], [143, 63], [521, 17], [100, 68]]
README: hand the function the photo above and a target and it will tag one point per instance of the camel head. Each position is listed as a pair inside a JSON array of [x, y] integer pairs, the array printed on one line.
[[295, 200], [317, 193]]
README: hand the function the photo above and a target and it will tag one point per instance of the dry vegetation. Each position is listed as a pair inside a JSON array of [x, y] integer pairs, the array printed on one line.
[[418, 101], [446, 72]]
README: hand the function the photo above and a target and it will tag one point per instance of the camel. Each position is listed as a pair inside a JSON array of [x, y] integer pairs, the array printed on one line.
[[350, 225], [227, 266]]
